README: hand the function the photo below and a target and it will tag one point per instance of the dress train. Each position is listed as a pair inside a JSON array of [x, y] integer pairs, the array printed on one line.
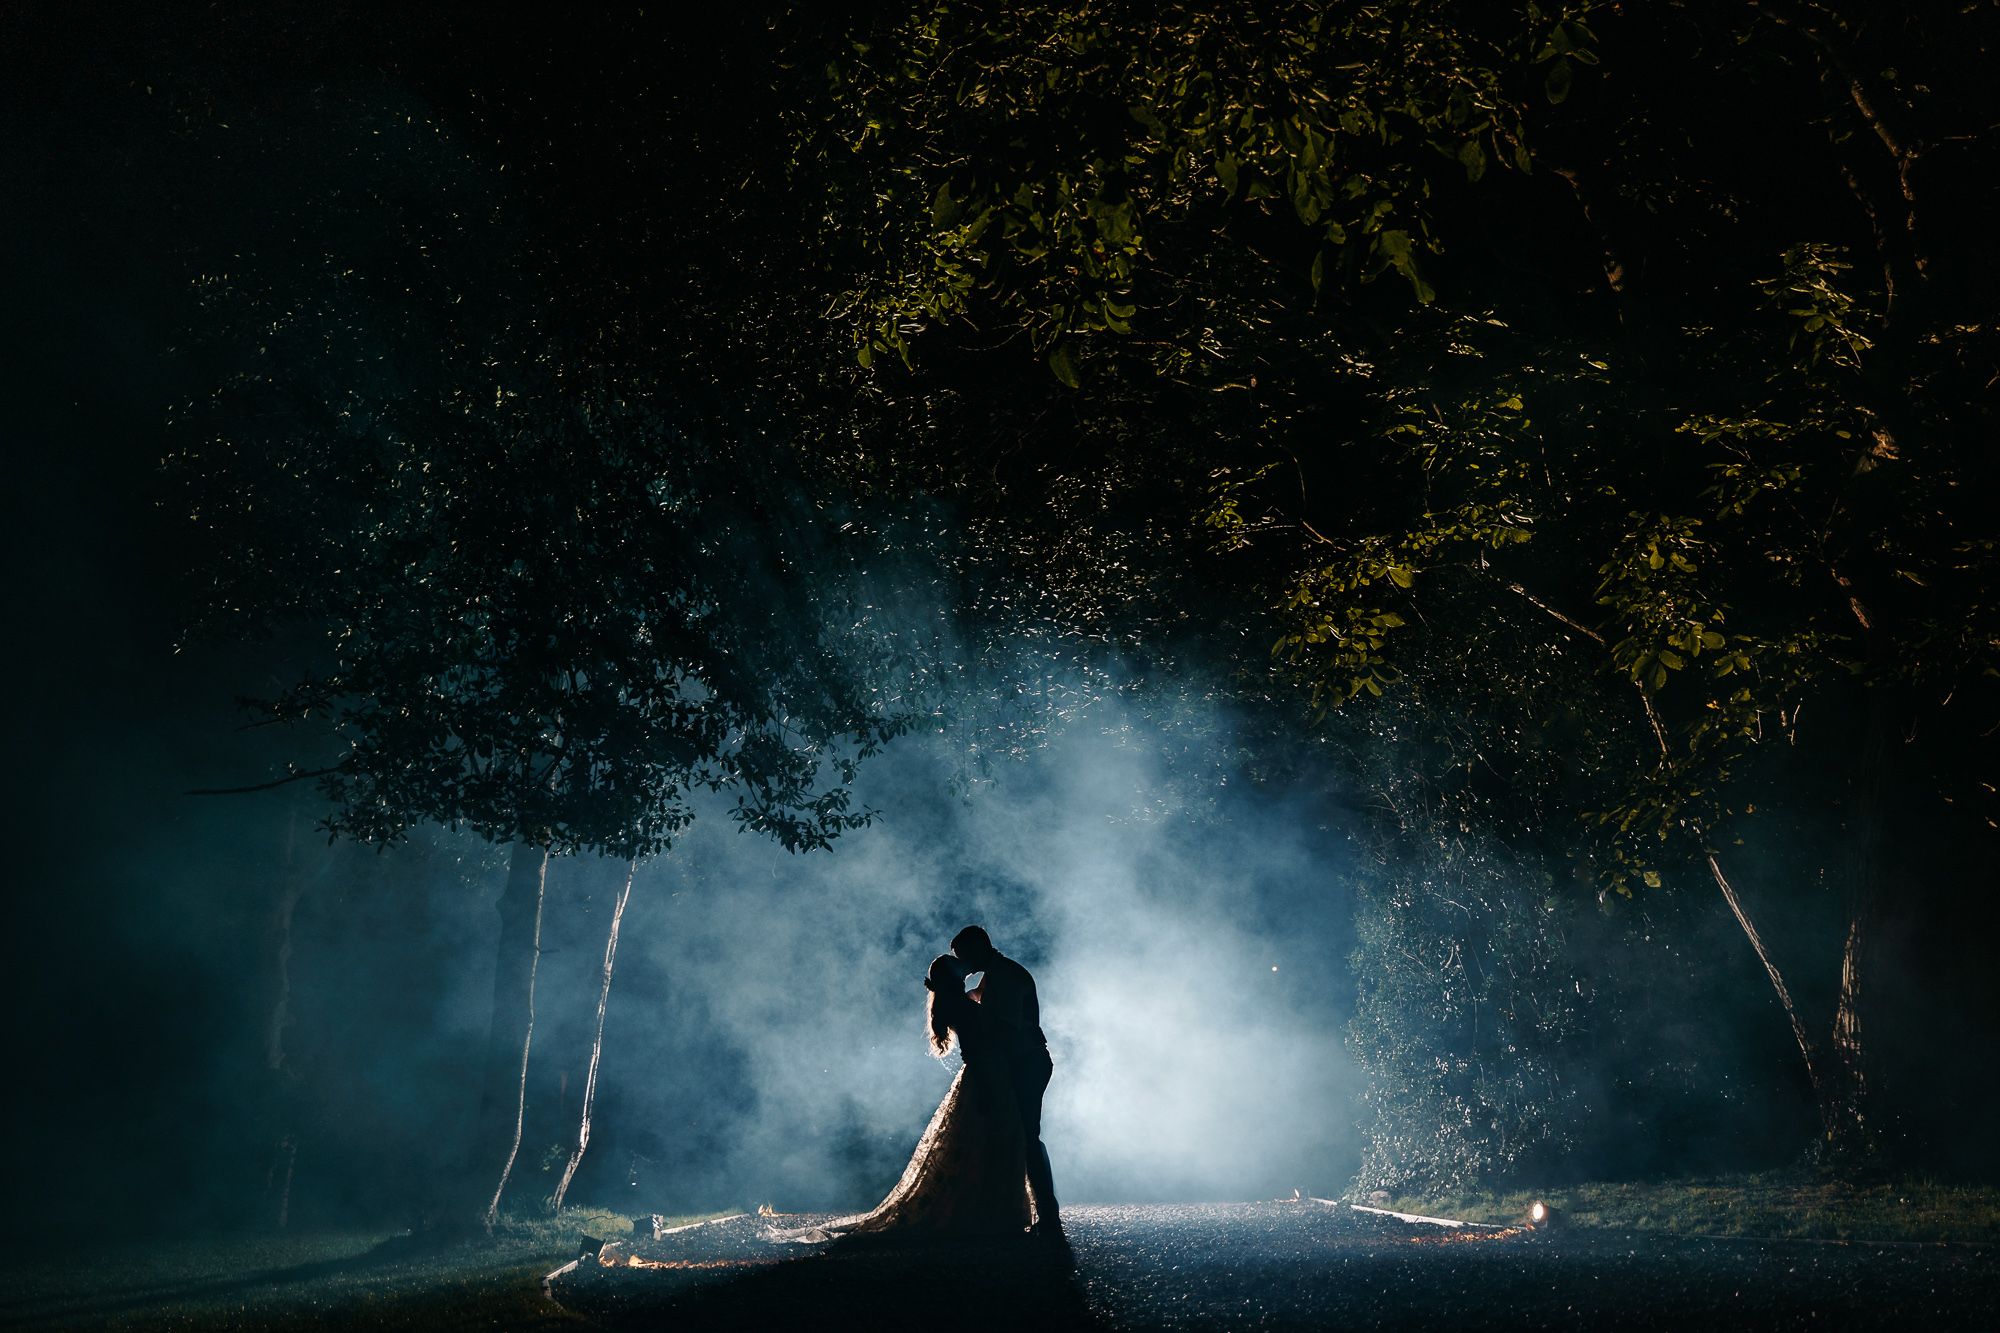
[[968, 1176]]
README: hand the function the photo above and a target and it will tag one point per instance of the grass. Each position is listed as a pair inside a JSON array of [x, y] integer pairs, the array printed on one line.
[[324, 1281], [1771, 1204]]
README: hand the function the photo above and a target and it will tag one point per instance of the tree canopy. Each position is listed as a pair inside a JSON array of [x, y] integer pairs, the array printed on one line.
[[1674, 383], [1553, 404], [559, 594]]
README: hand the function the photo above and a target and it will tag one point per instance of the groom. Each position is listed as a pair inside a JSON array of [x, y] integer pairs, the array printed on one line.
[[1007, 996]]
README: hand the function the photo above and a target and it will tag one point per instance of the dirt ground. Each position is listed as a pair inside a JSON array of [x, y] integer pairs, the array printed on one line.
[[314, 1282], [1299, 1265]]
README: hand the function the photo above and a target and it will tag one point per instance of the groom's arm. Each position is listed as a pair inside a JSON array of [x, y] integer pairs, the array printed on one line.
[[1030, 1009]]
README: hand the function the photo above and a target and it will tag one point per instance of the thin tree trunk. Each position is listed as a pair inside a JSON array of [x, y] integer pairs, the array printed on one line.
[[597, 1041], [281, 1004], [279, 1092], [288, 1151], [1862, 897], [1846, 1111], [1845, 1107], [1840, 1085], [504, 1098], [1815, 1073]]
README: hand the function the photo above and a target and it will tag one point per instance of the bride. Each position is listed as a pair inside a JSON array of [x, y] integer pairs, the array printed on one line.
[[969, 1174]]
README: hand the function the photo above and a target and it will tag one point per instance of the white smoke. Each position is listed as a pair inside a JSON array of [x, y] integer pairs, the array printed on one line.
[[1190, 965]]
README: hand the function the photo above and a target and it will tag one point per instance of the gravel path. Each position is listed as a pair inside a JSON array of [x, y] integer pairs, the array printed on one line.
[[1284, 1266]]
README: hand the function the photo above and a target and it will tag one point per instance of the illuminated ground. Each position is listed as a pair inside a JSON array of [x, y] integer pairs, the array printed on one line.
[[1226, 1266], [1292, 1265]]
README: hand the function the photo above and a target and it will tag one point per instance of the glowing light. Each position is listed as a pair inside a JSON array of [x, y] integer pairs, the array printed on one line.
[[1538, 1212]]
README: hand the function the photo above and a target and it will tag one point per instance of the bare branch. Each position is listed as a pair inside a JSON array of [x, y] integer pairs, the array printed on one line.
[[1539, 603]]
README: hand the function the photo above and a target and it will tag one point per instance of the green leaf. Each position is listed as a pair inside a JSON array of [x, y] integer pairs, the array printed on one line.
[[1393, 249], [1225, 170], [1557, 84], [944, 209], [1473, 158], [1063, 362]]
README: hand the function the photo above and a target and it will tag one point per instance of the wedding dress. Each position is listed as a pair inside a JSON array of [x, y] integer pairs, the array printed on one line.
[[970, 1170], [969, 1174]]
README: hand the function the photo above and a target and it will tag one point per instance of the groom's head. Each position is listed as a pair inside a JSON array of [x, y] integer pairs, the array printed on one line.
[[971, 945]]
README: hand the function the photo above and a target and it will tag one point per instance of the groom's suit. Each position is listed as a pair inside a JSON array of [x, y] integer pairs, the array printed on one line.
[[1014, 1018]]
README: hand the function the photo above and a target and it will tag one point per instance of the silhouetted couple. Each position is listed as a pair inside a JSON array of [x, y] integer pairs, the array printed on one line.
[[980, 1168]]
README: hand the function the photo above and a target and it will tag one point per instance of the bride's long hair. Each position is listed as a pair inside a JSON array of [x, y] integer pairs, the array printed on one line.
[[944, 972]]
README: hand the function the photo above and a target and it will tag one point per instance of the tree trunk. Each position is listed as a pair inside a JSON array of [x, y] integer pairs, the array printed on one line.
[[597, 1042], [287, 1149], [503, 1100], [1839, 1083], [1816, 1073], [279, 1093], [281, 1000], [1844, 1106], [288, 1156], [1815, 1069]]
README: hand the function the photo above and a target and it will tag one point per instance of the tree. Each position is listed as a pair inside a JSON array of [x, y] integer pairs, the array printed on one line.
[[554, 596], [1494, 363], [597, 1039], [1625, 388]]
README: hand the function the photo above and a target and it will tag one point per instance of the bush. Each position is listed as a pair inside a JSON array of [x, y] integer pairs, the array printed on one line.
[[1466, 1001]]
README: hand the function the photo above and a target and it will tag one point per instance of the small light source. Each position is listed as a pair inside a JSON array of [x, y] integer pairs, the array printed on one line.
[[1274, 969], [1541, 1217]]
